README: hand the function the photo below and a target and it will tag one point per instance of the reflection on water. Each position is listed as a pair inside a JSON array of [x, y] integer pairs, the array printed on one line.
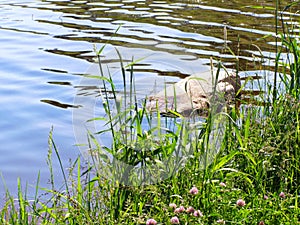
[[47, 48], [58, 104]]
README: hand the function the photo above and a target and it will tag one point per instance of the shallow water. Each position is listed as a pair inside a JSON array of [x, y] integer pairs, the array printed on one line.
[[47, 48]]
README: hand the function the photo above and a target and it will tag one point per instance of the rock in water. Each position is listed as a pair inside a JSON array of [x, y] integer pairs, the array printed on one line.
[[197, 93]]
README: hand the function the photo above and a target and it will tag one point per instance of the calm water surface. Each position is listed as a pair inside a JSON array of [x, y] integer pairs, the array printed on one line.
[[46, 49]]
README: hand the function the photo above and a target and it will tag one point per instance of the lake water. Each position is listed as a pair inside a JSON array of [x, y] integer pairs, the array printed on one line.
[[47, 46]]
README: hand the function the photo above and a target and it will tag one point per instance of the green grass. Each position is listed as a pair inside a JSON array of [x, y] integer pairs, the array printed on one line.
[[253, 178]]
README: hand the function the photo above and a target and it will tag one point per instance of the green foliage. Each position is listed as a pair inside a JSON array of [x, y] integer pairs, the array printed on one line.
[[249, 175]]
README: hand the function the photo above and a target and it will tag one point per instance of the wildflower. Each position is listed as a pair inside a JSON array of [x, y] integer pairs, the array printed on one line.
[[194, 191], [282, 195], [179, 210], [261, 223], [151, 222], [198, 213], [172, 205], [240, 202], [266, 197], [221, 221], [222, 184], [190, 209], [174, 220]]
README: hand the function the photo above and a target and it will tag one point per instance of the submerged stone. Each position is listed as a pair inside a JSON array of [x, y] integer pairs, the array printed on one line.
[[197, 94]]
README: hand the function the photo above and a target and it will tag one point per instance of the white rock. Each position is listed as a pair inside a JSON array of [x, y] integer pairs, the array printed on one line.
[[197, 93]]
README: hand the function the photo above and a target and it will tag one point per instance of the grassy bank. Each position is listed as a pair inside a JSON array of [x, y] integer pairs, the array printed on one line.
[[175, 174], [254, 179]]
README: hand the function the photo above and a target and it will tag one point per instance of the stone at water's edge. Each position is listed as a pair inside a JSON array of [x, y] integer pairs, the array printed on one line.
[[197, 93]]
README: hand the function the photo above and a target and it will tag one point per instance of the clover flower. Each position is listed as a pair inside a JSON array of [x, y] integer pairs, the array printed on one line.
[[282, 195], [172, 205], [240, 202], [174, 220], [151, 222], [179, 210], [194, 191], [198, 213], [190, 209]]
